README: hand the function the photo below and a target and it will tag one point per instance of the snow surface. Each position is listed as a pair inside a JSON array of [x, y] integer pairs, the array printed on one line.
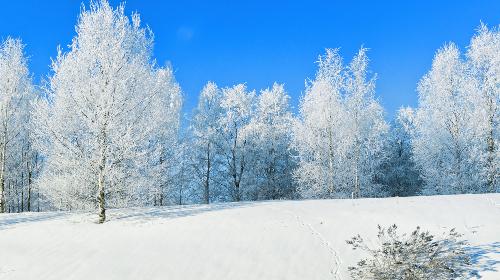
[[258, 240]]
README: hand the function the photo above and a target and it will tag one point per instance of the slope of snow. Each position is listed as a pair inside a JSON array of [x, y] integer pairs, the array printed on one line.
[[261, 240]]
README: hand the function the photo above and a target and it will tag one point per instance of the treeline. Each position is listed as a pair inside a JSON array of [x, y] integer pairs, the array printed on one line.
[[104, 129]]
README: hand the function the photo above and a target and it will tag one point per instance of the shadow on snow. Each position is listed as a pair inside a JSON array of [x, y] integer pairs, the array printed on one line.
[[135, 214], [11, 220], [484, 258], [171, 212]]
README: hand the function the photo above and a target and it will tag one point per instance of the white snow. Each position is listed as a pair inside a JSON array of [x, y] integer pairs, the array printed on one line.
[[258, 240]]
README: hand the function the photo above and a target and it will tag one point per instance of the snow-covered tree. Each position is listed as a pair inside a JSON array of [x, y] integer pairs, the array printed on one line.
[[484, 62], [400, 176], [16, 93], [237, 107], [319, 132], [341, 133], [366, 128], [206, 131], [446, 135], [106, 101], [456, 140], [184, 189], [164, 146], [269, 136]]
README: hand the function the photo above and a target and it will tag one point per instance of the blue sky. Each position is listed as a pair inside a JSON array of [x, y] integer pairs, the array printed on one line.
[[259, 42]]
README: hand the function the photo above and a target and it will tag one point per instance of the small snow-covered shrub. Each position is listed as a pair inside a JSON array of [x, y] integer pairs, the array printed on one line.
[[416, 256]]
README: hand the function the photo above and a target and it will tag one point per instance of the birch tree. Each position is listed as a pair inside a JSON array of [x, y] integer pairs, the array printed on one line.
[[366, 128], [400, 175], [341, 132], [206, 132], [16, 92], [237, 109], [163, 148], [446, 137], [269, 134], [96, 126], [319, 130], [484, 60]]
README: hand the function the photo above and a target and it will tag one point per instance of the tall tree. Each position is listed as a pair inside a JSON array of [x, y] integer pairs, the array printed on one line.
[[269, 135], [366, 128], [445, 139], [163, 146], [96, 128], [400, 175], [16, 92], [206, 132], [319, 131], [484, 60], [341, 134], [237, 107]]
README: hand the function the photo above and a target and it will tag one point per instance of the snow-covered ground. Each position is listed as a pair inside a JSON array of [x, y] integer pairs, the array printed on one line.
[[260, 240]]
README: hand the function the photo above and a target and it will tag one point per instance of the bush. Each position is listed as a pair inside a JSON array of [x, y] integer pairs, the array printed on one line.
[[417, 256]]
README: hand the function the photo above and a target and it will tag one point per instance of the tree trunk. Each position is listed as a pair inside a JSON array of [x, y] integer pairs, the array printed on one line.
[[331, 183], [356, 185], [22, 192], [2, 177], [101, 179], [11, 205], [159, 196], [237, 189], [16, 190], [357, 157], [458, 169], [29, 186], [100, 198], [180, 195], [490, 180], [236, 180], [206, 193]]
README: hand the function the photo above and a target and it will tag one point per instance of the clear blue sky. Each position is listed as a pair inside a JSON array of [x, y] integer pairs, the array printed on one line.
[[259, 42]]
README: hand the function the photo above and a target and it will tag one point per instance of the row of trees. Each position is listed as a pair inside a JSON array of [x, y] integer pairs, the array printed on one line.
[[19, 160], [455, 130], [242, 144], [104, 129]]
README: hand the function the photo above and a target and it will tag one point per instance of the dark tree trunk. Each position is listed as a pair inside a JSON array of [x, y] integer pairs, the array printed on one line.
[[490, 180], [206, 193]]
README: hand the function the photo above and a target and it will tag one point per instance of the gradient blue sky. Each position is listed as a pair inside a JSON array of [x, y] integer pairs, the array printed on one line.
[[259, 42]]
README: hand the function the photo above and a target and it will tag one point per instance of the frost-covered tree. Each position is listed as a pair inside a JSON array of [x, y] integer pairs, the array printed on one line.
[[184, 190], [164, 146], [16, 93], [341, 132], [206, 132], [29, 166], [319, 131], [400, 176], [446, 135], [484, 62], [269, 136], [106, 101], [237, 107], [456, 140], [366, 128]]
